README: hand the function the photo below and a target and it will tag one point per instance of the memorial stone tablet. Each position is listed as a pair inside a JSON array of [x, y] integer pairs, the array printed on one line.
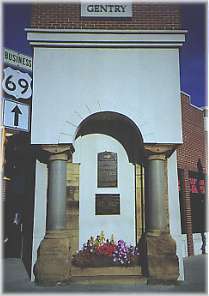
[[107, 204], [107, 169]]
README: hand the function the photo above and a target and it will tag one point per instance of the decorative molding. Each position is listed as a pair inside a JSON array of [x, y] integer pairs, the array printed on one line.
[[104, 31], [159, 151], [58, 152], [105, 38]]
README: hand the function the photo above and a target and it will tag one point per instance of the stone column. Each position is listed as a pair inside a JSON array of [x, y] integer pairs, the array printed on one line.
[[53, 260], [155, 186], [161, 262]]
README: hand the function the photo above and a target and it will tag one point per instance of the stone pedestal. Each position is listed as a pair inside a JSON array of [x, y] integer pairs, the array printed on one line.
[[158, 247], [53, 261], [162, 262]]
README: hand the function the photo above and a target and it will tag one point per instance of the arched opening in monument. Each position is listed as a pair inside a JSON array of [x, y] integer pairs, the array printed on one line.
[[110, 153], [119, 127]]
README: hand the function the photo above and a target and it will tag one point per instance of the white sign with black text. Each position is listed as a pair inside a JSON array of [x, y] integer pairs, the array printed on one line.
[[16, 115], [17, 83], [102, 9], [16, 59]]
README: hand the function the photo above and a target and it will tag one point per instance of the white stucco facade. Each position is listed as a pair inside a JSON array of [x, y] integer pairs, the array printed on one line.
[[40, 210], [122, 225], [137, 76], [174, 211]]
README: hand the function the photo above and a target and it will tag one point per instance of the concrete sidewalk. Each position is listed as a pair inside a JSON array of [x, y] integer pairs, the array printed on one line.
[[15, 279]]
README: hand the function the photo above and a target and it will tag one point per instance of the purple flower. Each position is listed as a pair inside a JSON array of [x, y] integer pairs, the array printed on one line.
[[124, 253]]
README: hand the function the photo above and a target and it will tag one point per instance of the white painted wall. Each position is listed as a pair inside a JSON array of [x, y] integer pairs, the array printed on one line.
[[197, 242], [184, 245], [121, 226], [40, 207], [69, 84], [174, 211]]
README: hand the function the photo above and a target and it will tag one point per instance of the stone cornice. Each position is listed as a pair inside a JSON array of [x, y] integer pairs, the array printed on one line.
[[107, 31], [105, 38]]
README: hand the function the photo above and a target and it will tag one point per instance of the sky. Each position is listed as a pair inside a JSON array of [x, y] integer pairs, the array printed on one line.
[[193, 54], [16, 17]]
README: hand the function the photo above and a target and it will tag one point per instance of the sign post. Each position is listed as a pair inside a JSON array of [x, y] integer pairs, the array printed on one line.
[[16, 88]]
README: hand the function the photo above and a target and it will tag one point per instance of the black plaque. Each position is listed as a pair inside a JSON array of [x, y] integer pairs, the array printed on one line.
[[107, 169], [107, 204]]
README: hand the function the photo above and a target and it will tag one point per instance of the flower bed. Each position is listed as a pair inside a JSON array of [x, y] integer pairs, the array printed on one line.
[[101, 252]]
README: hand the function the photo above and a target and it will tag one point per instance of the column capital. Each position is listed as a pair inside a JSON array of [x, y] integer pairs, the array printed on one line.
[[159, 151], [58, 151]]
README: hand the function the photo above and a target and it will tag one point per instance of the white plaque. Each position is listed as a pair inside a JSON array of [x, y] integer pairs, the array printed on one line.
[[102, 9]]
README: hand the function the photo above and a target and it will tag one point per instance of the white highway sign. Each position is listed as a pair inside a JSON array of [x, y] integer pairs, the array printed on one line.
[[16, 115], [17, 83]]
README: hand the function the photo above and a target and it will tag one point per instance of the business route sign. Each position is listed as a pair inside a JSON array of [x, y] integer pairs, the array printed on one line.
[[16, 59]]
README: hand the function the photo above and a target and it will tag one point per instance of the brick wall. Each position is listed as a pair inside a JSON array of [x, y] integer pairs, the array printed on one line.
[[192, 149], [193, 136], [67, 16]]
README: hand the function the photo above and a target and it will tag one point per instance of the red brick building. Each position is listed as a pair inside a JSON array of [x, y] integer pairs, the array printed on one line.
[[145, 17], [192, 164]]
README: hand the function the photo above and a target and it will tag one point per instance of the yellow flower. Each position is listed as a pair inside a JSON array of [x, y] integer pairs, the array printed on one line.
[[102, 236], [112, 239]]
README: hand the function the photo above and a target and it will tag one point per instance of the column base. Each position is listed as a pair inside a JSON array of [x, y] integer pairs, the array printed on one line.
[[160, 259], [53, 259]]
